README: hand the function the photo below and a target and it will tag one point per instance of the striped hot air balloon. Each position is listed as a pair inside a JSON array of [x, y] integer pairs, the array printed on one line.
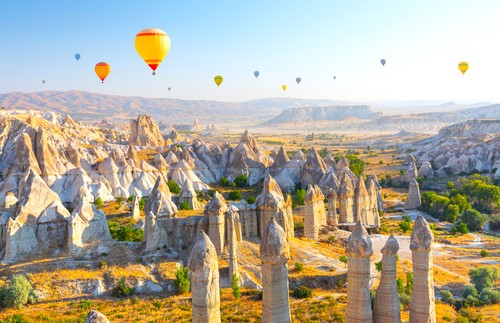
[[152, 45], [218, 80], [102, 69], [463, 67]]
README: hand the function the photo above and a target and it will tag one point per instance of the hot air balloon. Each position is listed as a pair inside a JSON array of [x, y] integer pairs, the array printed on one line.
[[334, 77], [298, 79], [77, 56], [152, 45], [218, 80], [168, 89], [283, 87], [256, 74], [463, 67], [102, 70], [43, 81], [382, 61]]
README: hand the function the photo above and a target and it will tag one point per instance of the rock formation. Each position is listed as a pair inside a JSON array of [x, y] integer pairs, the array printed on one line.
[[358, 250], [413, 198], [232, 216], [346, 200], [373, 215], [380, 204], [411, 173], [426, 170], [271, 203], [159, 202], [215, 210], [386, 306], [329, 180], [96, 317], [204, 275], [340, 166], [422, 307], [332, 218], [188, 194], [314, 168], [145, 132], [136, 212], [361, 202], [314, 207], [274, 255]]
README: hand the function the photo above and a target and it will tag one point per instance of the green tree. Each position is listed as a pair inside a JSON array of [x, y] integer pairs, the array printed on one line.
[[446, 296], [173, 186], [235, 285], [182, 282], [378, 266], [122, 289], [405, 226], [234, 195], [409, 283], [343, 259], [451, 213], [461, 201], [459, 227], [474, 219], [299, 266], [483, 277], [470, 290], [356, 165], [240, 181], [224, 182], [302, 292], [185, 206], [301, 195], [19, 293], [251, 199], [98, 203]]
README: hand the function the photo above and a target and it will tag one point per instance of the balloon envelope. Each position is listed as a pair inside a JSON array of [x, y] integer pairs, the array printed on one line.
[[218, 80], [43, 81], [283, 87], [77, 56], [334, 77], [256, 74], [102, 69], [169, 89], [382, 61], [463, 67], [152, 45], [298, 79]]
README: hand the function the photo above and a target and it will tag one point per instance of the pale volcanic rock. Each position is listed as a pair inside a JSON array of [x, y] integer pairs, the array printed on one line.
[[314, 212], [410, 159], [182, 171], [346, 200], [69, 122], [188, 194], [171, 158], [159, 202], [361, 202], [160, 163], [74, 154], [271, 203], [287, 172], [274, 254], [248, 218], [332, 218], [313, 169], [358, 250], [341, 164], [426, 170], [212, 162], [233, 226], [378, 188], [132, 156], [299, 155], [273, 153], [24, 157], [72, 184], [329, 180], [197, 126], [45, 154], [386, 306], [204, 275], [10, 200], [413, 198], [145, 132], [373, 210], [216, 206], [422, 305], [96, 317], [215, 210], [330, 161], [280, 161], [136, 212]]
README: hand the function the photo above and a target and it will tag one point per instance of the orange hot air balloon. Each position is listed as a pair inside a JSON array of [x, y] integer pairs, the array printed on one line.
[[102, 70], [152, 45]]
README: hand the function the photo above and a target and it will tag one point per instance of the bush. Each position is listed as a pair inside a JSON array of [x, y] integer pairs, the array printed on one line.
[[459, 227], [142, 203], [18, 294], [224, 182], [240, 180], [235, 285], [378, 266], [16, 318], [490, 296], [484, 253], [122, 289], [130, 198], [401, 286], [98, 203], [120, 199], [251, 199], [409, 283], [234, 195], [470, 290], [85, 304], [474, 219], [300, 196], [181, 282], [483, 277], [173, 187], [451, 213], [125, 232], [299, 266], [495, 222], [102, 264], [446, 296], [185, 206], [302, 292], [405, 226], [343, 259]]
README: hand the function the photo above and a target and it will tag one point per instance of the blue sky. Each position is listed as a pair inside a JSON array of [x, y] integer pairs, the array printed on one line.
[[423, 42]]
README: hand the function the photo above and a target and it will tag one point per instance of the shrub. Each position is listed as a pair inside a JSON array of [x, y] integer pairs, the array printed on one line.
[[401, 285], [122, 289], [404, 300], [130, 198], [173, 187], [142, 203], [332, 239], [18, 294], [120, 199], [483, 277], [181, 282], [484, 253], [378, 266], [409, 283], [125, 232], [451, 213], [470, 290], [224, 182], [405, 226], [102, 264], [251, 199], [495, 222], [474, 219], [299, 266], [490, 296], [343, 259], [185, 206], [240, 180], [300, 196], [459, 227], [98, 203], [446, 296], [235, 285], [234, 195], [85, 304], [302, 292]]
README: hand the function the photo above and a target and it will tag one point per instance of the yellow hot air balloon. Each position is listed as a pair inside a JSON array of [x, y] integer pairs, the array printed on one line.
[[102, 70], [218, 80], [463, 67], [283, 87], [152, 45]]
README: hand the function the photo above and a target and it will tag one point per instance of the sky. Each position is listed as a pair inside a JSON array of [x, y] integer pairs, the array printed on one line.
[[422, 42]]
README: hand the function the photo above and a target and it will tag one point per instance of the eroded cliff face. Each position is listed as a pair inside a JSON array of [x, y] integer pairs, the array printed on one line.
[[145, 132]]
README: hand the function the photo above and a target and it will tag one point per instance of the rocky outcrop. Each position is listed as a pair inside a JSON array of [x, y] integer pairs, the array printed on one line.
[[386, 306], [332, 218], [411, 173], [373, 195], [358, 250], [271, 203], [274, 255], [422, 304], [145, 132], [361, 202], [426, 170], [159, 202], [314, 168], [378, 188], [188, 195], [96, 317], [215, 210], [346, 200], [204, 275], [136, 212], [315, 216], [340, 166], [232, 216], [287, 172], [413, 198], [329, 180]]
